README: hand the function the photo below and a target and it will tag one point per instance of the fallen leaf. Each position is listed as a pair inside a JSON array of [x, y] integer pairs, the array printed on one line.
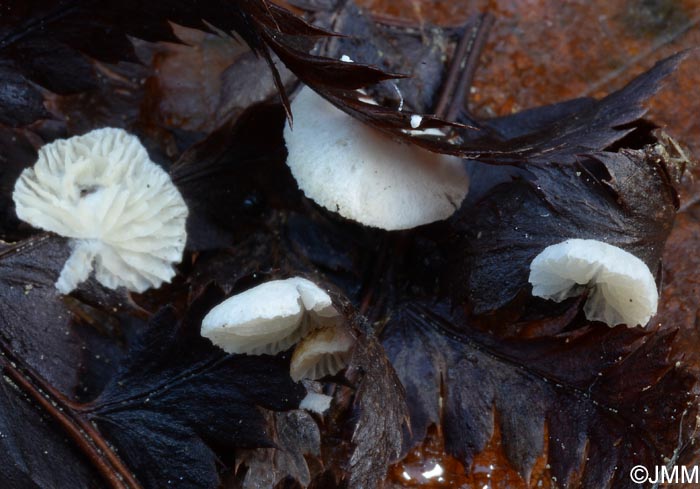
[[177, 398], [297, 438], [42, 336], [31, 443], [381, 413], [626, 199], [593, 412]]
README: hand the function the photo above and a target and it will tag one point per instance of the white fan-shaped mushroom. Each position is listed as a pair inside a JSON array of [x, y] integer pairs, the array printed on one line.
[[622, 289], [121, 210], [324, 351], [269, 318], [365, 176]]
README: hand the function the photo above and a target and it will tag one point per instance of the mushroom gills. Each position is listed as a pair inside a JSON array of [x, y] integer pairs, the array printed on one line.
[[325, 351], [621, 288]]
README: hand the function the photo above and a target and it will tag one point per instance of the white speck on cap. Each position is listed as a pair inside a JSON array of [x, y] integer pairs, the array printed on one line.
[[622, 289], [416, 121], [358, 172]]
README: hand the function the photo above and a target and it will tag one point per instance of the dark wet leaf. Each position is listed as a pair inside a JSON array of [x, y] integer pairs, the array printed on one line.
[[16, 153], [204, 83], [297, 438], [339, 81], [178, 398], [556, 133], [51, 43], [41, 359], [678, 307], [379, 416], [34, 454], [419, 54], [594, 412], [114, 101], [373, 424], [43, 335], [21, 103], [626, 199], [174, 409], [226, 182], [560, 132], [268, 28], [343, 252]]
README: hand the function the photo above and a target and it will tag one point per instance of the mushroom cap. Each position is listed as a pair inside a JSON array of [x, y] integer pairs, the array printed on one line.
[[268, 318], [120, 209], [358, 172], [623, 290], [324, 351]]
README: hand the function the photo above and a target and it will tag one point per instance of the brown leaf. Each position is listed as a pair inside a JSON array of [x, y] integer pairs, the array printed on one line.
[[297, 438], [602, 410], [626, 199], [381, 413]]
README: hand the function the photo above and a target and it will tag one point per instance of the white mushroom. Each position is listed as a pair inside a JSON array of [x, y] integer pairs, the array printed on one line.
[[365, 176], [622, 289], [325, 351], [316, 403], [122, 212], [269, 318]]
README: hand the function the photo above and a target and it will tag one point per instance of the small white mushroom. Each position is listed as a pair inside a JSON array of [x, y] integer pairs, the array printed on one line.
[[316, 403], [122, 212], [269, 318], [324, 351], [363, 175], [622, 289]]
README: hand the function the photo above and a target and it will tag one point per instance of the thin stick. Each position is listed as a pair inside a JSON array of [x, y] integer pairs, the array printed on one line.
[[460, 74], [469, 69]]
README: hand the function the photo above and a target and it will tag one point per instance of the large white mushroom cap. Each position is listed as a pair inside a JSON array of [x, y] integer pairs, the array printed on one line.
[[622, 289], [269, 318], [365, 176], [122, 212]]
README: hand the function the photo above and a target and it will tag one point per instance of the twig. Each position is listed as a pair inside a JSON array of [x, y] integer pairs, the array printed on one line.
[[460, 74]]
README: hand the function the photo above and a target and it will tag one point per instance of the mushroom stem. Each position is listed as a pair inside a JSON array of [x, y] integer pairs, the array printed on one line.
[[77, 268]]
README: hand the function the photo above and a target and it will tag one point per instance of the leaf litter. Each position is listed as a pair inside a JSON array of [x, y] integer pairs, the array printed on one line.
[[590, 400]]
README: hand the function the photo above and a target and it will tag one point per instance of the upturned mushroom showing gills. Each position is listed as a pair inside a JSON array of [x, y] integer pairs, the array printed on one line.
[[270, 317], [124, 216], [621, 288], [363, 175]]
